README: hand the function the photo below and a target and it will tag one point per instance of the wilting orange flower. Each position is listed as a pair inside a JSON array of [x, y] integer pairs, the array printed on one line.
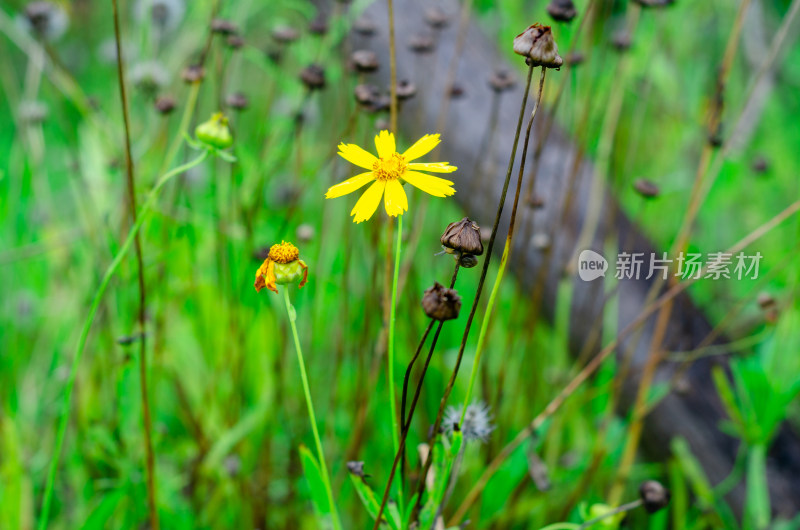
[[386, 172], [283, 265]]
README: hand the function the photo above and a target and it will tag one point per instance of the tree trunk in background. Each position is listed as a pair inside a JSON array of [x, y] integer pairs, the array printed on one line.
[[693, 413]]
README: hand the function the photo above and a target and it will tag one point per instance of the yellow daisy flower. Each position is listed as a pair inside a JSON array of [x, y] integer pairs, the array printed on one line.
[[386, 172]]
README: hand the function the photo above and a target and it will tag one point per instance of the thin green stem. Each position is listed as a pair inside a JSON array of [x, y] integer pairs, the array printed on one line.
[[87, 324], [392, 316], [290, 312]]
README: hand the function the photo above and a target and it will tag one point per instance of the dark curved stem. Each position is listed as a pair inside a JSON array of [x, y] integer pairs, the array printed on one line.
[[474, 308], [403, 423], [148, 437]]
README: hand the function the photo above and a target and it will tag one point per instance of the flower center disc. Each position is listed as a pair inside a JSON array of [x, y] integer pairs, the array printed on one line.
[[283, 253], [389, 168]]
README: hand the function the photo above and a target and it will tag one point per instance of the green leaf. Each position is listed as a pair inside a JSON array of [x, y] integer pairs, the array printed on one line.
[[316, 486], [371, 502], [726, 395]]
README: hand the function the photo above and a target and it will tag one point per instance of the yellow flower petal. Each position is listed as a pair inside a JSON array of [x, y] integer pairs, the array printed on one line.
[[423, 146], [429, 184], [356, 155], [384, 143], [368, 202], [395, 198], [349, 186], [436, 167]]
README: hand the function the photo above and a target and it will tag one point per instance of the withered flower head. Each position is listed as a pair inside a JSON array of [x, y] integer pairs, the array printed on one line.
[[365, 61], [562, 10], [237, 101], [367, 95], [537, 44], [319, 25], [463, 236], [501, 80], [457, 91], [405, 90], [165, 104], [441, 303], [285, 34], [646, 188], [313, 76], [235, 42], [436, 18], [760, 165], [621, 40], [282, 266], [421, 43], [654, 3], [365, 26], [654, 495], [223, 26], [193, 73], [575, 58]]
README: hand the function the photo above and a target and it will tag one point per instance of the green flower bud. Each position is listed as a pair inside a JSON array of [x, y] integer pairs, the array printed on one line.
[[289, 272], [215, 132]]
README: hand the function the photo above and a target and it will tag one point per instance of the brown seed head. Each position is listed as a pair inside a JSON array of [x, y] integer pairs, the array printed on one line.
[[223, 26], [436, 18], [501, 80], [365, 61], [562, 10], [165, 104], [235, 42], [365, 26], [463, 236], [654, 495], [621, 40], [237, 101], [575, 58], [536, 43], [367, 95], [441, 303], [319, 25], [406, 90], [313, 76], [421, 43], [193, 74], [646, 188], [285, 34]]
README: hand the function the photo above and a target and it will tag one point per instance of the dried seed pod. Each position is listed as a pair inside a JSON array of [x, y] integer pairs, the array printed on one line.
[[654, 495], [235, 42], [535, 201], [575, 58], [223, 27], [646, 188], [501, 80], [441, 303], [193, 74], [165, 104], [367, 95], [760, 165], [365, 61], [421, 43], [463, 236], [457, 91], [436, 18], [562, 10], [765, 300], [405, 90], [365, 26], [654, 3], [285, 34], [621, 40], [536, 43], [313, 76], [319, 25], [237, 101]]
